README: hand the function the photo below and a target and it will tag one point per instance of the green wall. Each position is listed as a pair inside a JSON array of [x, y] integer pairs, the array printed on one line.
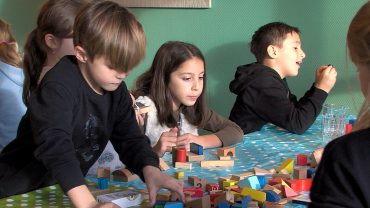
[[223, 33]]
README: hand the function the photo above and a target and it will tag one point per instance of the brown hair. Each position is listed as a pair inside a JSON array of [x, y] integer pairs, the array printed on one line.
[[8, 46], [56, 17], [358, 43], [105, 29], [154, 82], [273, 33]]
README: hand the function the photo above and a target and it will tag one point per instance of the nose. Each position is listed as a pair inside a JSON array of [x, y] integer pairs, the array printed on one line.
[[196, 84], [303, 55], [121, 75]]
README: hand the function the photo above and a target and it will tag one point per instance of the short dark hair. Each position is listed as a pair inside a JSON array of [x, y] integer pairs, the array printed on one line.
[[273, 33]]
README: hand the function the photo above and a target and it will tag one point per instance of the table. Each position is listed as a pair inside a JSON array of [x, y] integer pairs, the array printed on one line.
[[266, 149]]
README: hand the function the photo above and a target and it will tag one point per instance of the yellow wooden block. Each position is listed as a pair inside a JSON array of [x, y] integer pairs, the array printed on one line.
[[254, 194], [179, 175], [287, 165], [229, 183]]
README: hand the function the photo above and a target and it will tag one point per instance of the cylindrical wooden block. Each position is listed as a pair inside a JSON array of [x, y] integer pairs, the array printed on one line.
[[301, 159], [181, 155]]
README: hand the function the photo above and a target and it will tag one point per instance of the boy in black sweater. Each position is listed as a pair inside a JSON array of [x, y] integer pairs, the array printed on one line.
[[262, 92], [80, 103]]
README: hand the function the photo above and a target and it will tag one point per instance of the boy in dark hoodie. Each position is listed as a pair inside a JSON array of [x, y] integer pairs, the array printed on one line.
[[263, 95]]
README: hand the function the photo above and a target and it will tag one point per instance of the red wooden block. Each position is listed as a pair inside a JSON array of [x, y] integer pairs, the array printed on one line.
[[301, 159], [195, 191], [181, 155], [300, 184]]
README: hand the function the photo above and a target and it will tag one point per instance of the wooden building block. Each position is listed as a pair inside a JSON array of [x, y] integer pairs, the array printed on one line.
[[203, 202], [140, 108], [163, 165], [259, 196], [183, 165], [216, 163], [300, 184], [316, 157], [103, 173], [241, 176], [260, 171], [224, 157], [212, 187], [226, 151], [194, 191], [287, 165], [124, 175], [179, 175], [190, 157], [302, 159], [288, 191], [196, 148], [300, 172]]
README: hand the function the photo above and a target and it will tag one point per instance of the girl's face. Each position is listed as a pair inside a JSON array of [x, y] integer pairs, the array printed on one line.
[[364, 78], [186, 83]]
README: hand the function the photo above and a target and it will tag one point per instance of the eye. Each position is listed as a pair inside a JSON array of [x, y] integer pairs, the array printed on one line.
[[186, 78], [201, 78]]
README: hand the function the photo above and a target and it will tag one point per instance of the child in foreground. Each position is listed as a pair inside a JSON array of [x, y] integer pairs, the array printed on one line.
[[80, 103], [342, 178]]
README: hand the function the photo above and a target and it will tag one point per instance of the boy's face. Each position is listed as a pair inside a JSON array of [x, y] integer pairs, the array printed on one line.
[[186, 83], [290, 56], [102, 77]]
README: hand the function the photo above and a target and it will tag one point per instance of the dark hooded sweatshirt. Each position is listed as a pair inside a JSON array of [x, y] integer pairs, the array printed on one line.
[[263, 97]]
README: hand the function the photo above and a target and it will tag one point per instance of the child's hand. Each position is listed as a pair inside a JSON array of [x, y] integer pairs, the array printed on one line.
[[185, 140], [326, 76], [156, 180], [166, 142]]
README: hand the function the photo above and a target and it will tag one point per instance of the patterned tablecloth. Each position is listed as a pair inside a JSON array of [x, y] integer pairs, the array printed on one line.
[[266, 149]]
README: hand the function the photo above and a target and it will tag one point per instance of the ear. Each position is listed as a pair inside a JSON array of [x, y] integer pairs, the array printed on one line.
[[51, 41], [80, 54], [272, 51]]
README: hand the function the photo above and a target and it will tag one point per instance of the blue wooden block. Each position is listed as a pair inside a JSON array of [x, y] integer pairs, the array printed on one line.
[[245, 201], [352, 121], [223, 205], [262, 179], [196, 148], [311, 172], [237, 205], [272, 196], [174, 205], [102, 183], [254, 182]]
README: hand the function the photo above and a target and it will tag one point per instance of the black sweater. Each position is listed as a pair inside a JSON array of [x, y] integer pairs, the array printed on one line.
[[65, 130], [343, 176], [263, 97]]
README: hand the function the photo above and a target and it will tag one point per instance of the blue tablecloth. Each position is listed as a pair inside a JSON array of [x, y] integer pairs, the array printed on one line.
[[266, 149]]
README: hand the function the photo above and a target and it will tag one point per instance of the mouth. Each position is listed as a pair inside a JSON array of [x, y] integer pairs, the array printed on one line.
[[193, 98], [299, 63]]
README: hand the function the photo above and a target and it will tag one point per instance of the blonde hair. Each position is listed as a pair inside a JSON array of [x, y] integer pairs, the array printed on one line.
[[9, 52], [358, 43], [105, 29]]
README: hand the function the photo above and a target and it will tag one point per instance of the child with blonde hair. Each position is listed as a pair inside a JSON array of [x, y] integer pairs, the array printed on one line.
[[342, 178], [11, 84]]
